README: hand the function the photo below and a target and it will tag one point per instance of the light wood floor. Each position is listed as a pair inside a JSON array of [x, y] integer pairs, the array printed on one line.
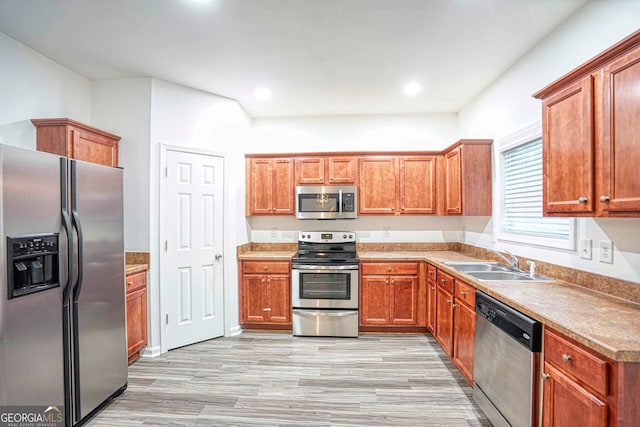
[[271, 379]]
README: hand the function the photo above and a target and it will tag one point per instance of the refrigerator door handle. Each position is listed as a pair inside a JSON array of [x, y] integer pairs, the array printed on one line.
[[75, 218], [66, 224]]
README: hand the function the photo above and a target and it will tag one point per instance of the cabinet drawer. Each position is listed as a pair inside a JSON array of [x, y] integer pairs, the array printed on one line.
[[266, 267], [431, 273], [580, 363], [136, 281], [465, 292], [444, 281], [405, 268]]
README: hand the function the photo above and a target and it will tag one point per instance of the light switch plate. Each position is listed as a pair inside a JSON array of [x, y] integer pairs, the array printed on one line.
[[386, 232], [606, 251], [585, 248]]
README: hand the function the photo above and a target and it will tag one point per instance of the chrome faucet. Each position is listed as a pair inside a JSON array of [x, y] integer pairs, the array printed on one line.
[[513, 261], [532, 268]]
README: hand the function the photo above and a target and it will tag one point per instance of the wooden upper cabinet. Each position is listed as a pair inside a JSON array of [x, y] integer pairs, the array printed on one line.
[[453, 182], [326, 170], [76, 140], [568, 150], [417, 185], [619, 183], [467, 178], [397, 185], [590, 127], [377, 185], [270, 187]]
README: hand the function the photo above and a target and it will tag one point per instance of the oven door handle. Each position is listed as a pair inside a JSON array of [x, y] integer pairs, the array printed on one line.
[[324, 267], [325, 313]]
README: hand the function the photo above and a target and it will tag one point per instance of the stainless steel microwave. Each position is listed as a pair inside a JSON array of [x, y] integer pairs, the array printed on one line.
[[326, 201]]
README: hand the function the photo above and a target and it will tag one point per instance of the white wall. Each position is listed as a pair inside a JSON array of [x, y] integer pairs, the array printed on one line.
[[507, 106], [33, 86], [411, 132], [124, 107], [193, 119]]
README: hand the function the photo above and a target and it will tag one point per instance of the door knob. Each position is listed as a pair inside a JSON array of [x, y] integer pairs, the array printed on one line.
[[218, 257]]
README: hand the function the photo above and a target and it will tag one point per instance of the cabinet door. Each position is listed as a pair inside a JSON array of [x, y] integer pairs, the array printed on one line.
[[417, 185], [403, 304], [568, 150], [342, 170], [431, 298], [136, 322], [92, 147], [619, 190], [278, 298], [464, 321], [377, 192], [283, 188], [374, 301], [565, 403], [453, 182], [253, 296], [444, 320], [260, 186], [310, 170]]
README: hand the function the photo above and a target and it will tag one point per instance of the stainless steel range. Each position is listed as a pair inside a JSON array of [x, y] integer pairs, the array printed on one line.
[[324, 280]]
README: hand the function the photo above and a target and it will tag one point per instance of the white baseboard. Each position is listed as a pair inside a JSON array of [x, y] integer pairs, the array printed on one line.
[[234, 331], [150, 352]]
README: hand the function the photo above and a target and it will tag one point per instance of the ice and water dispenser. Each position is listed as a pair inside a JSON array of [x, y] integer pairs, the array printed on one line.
[[32, 263]]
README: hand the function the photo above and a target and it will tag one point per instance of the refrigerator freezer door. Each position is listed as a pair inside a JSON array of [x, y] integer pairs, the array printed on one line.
[[100, 350], [31, 346]]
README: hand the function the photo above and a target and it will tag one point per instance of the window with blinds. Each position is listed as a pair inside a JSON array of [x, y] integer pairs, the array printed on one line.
[[522, 195]]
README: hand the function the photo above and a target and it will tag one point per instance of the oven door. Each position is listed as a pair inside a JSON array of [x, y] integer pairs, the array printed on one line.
[[324, 286]]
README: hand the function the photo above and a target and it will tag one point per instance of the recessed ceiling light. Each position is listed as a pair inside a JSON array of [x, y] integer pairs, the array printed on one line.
[[262, 94], [412, 88]]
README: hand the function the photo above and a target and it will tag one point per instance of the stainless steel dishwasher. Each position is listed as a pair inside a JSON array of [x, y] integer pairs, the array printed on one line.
[[507, 363]]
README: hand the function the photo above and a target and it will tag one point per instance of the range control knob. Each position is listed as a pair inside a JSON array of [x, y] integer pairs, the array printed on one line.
[[351, 236], [344, 236]]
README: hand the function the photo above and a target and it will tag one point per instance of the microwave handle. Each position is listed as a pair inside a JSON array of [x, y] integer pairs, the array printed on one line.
[[340, 201]]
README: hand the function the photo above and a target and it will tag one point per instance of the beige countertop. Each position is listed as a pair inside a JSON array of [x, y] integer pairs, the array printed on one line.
[[267, 255], [135, 268], [606, 324]]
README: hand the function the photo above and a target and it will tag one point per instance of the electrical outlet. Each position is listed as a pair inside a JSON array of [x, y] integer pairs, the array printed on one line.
[[386, 232], [606, 251], [274, 231], [585, 248]]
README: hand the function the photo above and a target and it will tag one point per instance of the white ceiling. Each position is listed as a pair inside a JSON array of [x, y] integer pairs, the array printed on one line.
[[318, 57]]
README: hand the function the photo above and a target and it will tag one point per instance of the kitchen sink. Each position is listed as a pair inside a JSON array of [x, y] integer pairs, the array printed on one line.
[[478, 266], [496, 272]]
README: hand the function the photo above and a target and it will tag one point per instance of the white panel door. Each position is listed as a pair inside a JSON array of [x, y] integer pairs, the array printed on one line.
[[194, 267]]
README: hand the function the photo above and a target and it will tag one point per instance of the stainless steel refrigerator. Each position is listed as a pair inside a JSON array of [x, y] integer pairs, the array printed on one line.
[[62, 302]]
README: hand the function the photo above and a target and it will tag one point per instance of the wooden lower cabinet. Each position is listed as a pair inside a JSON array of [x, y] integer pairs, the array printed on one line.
[[390, 295], [584, 388], [265, 294], [136, 301], [464, 329], [431, 298], [444, 320]]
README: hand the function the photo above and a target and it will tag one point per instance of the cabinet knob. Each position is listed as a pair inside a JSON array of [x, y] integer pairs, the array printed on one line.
[[386, 281], [443, 280], [604, 199], [393, 281], [545, 376], [266, 309], [433, 288], [389, 269], [463, 293], [448, 301], [567, 358], [262, 280], [266, 268], [582, 200], [129, 283], [454, 305]]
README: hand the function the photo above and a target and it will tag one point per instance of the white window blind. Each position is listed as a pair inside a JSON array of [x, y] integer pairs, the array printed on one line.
[[522, 195]]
